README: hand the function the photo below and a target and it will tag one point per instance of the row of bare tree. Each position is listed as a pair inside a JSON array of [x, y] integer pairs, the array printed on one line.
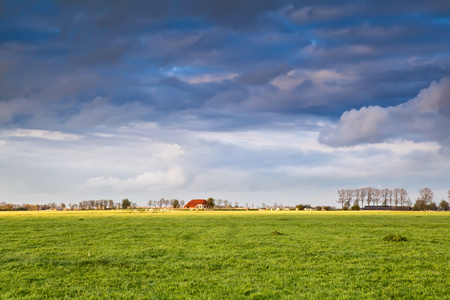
[[25, 206], [373, 196], [95, 204], [226, 203], [166, 202], [384, 197]]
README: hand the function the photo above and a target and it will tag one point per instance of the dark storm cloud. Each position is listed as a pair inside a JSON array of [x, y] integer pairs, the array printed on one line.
[[211, 57], [262, 74]]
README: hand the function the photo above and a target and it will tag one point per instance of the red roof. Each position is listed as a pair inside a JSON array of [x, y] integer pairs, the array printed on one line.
[[193, 203]]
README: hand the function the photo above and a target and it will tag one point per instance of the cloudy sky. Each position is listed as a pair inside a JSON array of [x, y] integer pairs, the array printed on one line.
[[249, 101]]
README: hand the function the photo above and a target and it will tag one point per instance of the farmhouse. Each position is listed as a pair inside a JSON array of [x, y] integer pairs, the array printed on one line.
[[197, 203]]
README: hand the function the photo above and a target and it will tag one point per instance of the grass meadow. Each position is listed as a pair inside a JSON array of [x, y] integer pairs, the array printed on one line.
[[224, 255]]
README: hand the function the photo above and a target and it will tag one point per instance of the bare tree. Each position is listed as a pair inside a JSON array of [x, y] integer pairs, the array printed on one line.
[[409, 202], [369, 196], [376, 196], [396, 195], [426, 195], [362, 195], [348, 197], [341, 199], [356, 194], [403, 196], [182, 203], [385, 196]]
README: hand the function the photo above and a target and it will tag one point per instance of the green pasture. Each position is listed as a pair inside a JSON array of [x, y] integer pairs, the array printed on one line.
[[224, 255]]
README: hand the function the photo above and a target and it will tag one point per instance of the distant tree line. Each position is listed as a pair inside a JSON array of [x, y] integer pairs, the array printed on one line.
[[393, 198], [220, 203], [348, 198], [173, 203], [280, 206], [372, 196], [96, 204], [308, 206], [104, 204], [9, 206], [82, 205]]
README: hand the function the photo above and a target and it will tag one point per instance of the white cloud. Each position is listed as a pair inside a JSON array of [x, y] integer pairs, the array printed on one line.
[[206, 78], [424, 118], [40, 134], [174, 177], [324, 78], [144, 161], [101, 112], [264, 140]]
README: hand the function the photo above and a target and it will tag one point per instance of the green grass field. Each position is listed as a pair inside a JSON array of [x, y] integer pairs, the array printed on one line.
[[224, 255]]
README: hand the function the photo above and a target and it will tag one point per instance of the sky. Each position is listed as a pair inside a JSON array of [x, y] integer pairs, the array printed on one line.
[[249, 101]]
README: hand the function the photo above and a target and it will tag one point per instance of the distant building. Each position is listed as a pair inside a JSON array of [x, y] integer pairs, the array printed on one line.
[[386, 207], [197, 203]]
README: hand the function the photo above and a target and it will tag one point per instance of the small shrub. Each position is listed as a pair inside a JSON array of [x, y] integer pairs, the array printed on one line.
[[276, 233], [355, 207], [394, 238]]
